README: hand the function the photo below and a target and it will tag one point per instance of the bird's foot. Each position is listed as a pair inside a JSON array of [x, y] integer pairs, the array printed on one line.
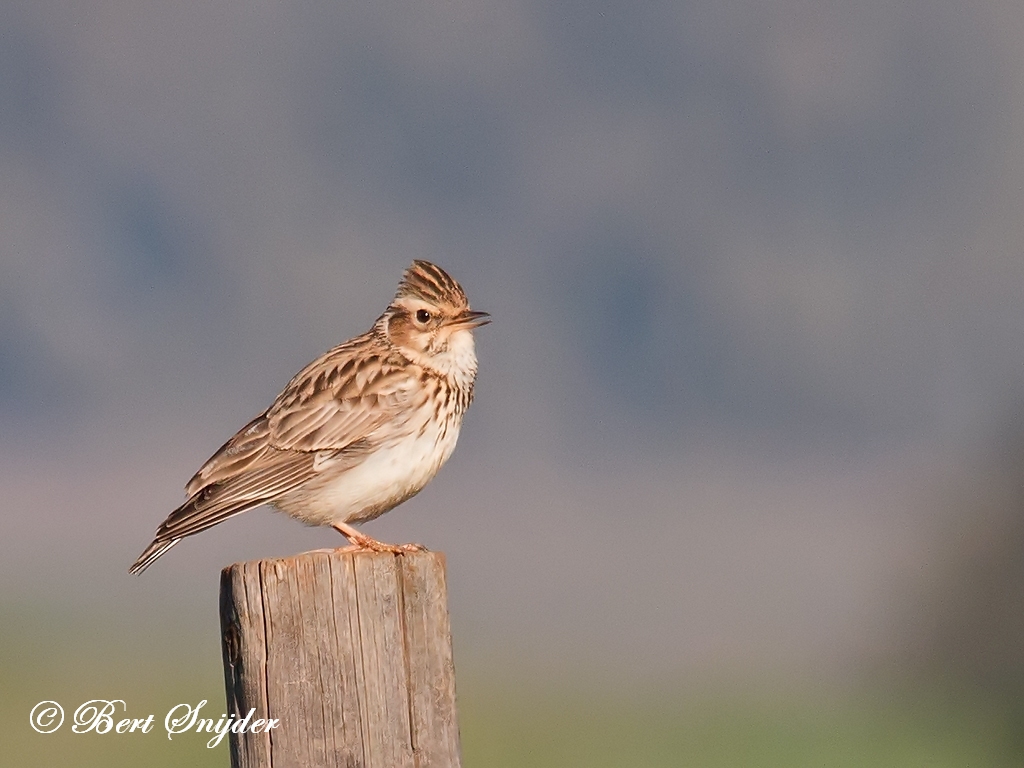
[[360, 542], [379, 546]]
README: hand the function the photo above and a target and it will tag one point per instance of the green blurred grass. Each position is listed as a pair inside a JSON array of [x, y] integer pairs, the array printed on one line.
[[73, 661], [154, 664], [737, 729]]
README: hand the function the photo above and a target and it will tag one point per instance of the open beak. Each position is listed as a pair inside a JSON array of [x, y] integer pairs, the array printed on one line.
[[470, 319]]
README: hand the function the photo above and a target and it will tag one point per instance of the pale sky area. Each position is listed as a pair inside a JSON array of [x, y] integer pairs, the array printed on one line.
[[755, 270]]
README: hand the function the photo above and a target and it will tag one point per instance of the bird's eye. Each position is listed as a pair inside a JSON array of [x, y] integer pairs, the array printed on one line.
[[422, 316]]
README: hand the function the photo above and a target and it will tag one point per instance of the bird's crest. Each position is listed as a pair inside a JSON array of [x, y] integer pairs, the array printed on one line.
[[428, 282]]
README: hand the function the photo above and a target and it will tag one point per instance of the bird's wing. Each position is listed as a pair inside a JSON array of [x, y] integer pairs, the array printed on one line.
[[344, 403], [338, 404], [275, 473], [234, 457]]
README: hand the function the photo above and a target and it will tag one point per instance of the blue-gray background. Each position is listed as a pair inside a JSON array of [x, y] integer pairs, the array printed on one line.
[[755, 270]]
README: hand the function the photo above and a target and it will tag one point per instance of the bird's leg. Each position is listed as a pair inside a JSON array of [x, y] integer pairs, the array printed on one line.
[[360, 542]]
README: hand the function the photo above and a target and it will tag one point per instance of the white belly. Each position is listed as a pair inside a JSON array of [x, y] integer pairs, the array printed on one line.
[[384, 479]]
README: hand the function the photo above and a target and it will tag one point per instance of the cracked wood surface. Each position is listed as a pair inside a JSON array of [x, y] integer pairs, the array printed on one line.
[[350, 651]]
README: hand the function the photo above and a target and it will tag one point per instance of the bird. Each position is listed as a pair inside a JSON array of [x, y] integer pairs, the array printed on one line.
[[356, 432]]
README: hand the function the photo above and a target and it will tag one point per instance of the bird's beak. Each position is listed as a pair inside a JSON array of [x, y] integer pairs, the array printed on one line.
[[470, 319]]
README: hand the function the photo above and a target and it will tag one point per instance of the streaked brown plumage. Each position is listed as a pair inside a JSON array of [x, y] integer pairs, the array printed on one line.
[[356, 432]]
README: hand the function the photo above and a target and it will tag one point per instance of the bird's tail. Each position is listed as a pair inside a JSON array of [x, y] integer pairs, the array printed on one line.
[[153, 551]]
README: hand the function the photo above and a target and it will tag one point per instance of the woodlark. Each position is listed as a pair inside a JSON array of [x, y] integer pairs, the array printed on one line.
[[357, 431]]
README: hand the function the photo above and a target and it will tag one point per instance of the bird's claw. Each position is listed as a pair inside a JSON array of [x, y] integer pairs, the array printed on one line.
[[372, 545]]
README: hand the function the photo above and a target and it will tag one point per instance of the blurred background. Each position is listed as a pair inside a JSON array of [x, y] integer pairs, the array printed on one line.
[[743, 484]]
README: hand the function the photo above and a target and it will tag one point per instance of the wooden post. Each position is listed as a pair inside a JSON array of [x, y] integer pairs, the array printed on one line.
[[350, 651]]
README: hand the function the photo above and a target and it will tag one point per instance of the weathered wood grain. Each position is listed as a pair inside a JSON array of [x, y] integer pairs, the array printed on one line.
[[351, 651]]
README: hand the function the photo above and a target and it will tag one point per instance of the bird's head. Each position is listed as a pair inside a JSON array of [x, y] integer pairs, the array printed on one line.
[[431, 323]]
